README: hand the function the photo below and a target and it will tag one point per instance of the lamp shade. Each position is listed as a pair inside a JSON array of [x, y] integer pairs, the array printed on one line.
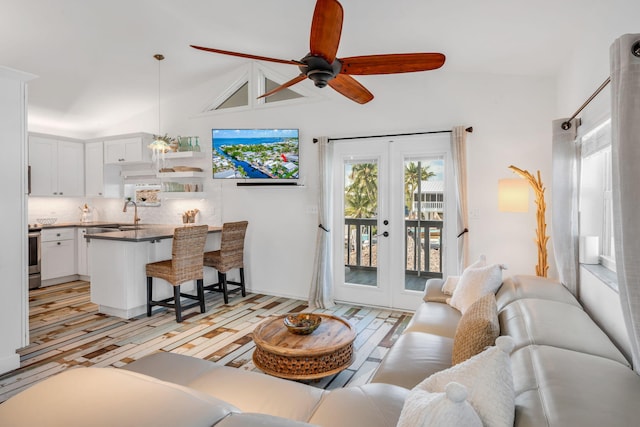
[[513, 195]]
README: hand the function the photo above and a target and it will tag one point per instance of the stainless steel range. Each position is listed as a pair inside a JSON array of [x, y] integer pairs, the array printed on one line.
[[34, 257]]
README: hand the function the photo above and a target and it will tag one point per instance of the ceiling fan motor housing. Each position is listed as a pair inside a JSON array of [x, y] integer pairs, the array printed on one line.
[[319, 69]]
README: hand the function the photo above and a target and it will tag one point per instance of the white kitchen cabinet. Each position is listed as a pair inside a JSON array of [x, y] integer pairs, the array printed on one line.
[[126, 150], [57, 167], [58, 250], [94, 169], [82, 247]]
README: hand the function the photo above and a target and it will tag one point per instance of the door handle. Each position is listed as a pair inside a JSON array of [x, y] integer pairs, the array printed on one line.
[[385, 234]]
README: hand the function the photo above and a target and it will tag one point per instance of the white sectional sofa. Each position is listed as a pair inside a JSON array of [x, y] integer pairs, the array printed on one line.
[[566, 372]]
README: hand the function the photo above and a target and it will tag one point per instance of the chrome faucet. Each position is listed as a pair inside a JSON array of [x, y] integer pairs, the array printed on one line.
[[128, 202]]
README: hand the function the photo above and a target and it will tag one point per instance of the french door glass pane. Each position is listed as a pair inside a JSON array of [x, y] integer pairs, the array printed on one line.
[[424, 218], [360, 222]]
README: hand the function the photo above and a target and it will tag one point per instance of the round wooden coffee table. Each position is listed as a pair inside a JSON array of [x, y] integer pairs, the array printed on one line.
[[326, 351]]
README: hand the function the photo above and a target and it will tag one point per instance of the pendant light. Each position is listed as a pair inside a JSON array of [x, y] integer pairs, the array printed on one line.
[[159, 146]]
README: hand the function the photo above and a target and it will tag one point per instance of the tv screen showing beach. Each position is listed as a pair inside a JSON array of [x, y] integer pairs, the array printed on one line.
[[255, 153]]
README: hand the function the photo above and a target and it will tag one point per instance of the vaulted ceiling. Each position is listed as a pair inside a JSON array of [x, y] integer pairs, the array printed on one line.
[[95, 60]]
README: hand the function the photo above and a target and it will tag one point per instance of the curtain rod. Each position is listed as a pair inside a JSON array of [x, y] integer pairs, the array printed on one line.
[[566, 125], [469, 129]]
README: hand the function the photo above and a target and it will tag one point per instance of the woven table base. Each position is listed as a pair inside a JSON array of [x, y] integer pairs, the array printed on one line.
[[303, 367]]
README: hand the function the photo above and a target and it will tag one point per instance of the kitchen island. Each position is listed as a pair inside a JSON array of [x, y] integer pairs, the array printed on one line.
[[117, 266]]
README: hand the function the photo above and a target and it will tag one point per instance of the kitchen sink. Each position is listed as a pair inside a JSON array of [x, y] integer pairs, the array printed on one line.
[[121, 227], [130, 227], [96, 230]]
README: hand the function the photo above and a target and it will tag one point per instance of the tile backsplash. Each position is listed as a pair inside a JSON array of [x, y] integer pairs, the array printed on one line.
[[69, 209]]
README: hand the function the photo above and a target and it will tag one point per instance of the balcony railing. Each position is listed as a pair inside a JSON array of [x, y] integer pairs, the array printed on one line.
[[431, 206], [422, 246]]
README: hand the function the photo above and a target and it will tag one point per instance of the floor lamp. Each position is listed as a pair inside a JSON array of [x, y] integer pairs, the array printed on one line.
[[514, 197]]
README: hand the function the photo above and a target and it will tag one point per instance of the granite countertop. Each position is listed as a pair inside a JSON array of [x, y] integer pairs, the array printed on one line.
[[144, 233], [80, 224]]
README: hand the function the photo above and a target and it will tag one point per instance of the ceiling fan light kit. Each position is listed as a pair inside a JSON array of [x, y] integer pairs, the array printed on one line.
[[323, 67]]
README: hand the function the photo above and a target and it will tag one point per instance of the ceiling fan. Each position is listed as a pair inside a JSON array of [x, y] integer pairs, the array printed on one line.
[[323, 67]]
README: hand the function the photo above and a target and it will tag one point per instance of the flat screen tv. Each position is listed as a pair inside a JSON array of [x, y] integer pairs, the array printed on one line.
[[255, 153]]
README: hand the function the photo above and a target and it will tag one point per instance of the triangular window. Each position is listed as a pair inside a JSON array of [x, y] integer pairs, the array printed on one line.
[[283, 95], [239, 98], [251, 81]]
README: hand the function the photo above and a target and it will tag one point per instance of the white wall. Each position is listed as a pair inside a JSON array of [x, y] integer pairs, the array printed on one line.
[[13, 233], [511, 117], [603, 305]]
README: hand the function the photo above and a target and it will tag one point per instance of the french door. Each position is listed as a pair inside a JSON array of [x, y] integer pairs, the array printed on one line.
[[390, 204]]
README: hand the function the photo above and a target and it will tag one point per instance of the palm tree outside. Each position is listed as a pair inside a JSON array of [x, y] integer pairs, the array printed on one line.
[[361, 194], [414, 172]]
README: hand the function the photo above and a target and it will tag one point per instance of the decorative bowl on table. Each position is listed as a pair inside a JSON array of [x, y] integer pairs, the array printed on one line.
[[302, 323], [46, 221]]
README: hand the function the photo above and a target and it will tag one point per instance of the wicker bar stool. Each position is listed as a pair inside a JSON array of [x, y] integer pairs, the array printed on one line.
[[230, 256], [186, 264]]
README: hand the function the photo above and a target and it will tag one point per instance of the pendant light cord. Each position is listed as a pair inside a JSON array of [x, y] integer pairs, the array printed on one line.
[[159, 57]]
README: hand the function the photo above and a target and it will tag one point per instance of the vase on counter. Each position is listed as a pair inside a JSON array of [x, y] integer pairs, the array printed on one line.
[[87, 213]]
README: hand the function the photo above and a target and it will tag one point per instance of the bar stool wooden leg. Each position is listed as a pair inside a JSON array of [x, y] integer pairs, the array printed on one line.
[[176, 296], [244, 291], [149, 294], [222, 278], [200, 284]]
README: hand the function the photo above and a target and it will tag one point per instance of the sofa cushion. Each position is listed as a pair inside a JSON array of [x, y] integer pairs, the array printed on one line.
[[522, 286], [171, 367], [259, 420], [424, 409], [558, 388], [413, 357], [435, 318], [433, 291], [557, 324], [257, 392], [368, 405], [478, 329], [488, 377], [475, 283], [111, 397], [243, 389]]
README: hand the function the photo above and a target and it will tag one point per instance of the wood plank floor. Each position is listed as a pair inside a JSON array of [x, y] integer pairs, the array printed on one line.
[[67, 332]]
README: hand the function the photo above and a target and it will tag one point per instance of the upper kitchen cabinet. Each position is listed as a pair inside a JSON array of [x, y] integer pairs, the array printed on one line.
[[57, 166], [94, 169], [128, 149]]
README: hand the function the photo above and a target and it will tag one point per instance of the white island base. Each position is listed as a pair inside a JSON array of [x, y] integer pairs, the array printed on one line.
[[118, 273]]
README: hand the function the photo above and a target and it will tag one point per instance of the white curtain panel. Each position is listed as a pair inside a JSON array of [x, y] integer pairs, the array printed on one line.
[[459, 153], [564, 202], [321, 292], [625, 153]]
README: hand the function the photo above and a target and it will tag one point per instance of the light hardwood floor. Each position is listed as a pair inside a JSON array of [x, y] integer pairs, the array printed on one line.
[[67, 332]]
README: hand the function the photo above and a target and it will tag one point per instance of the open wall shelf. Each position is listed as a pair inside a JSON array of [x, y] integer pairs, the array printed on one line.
[[264, 184]]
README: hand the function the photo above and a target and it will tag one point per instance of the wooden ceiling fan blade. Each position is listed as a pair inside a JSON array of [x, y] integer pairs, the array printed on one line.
[[291, 82], [351, 88], [246, 55], [326, 29], [392, 63]]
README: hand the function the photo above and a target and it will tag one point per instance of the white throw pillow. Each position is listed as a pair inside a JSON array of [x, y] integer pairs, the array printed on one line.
[[450, 284], [474, 284], [489, 380], [452, 281], [424, 409], [480, 262]]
